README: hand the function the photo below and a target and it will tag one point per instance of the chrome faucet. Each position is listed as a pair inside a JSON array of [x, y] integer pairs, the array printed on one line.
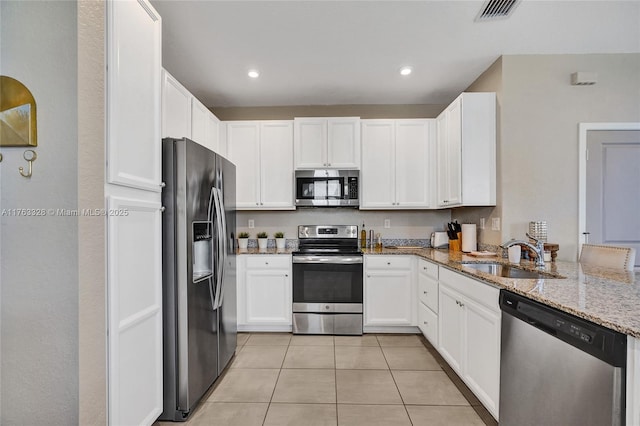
[[538, 248]]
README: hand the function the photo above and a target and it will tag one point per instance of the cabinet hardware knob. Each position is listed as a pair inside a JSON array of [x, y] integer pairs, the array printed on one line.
[[388, 263], [461, 305], [286, 275], [425, 323], [162, 184], [162, 209], [368, 276], [262, 204], [266, 263], [328, 164], [424, 267], [257, 204], [425, 292]]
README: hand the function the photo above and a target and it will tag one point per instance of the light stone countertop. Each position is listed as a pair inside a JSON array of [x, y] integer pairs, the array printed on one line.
[[268, 250], [607, 297]]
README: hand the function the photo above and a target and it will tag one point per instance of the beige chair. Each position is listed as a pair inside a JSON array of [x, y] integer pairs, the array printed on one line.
[[608, 256]]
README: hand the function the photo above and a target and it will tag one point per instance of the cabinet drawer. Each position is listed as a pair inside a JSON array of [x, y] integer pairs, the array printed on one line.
[[473, 289], [428, 291], [268, 262], [431, 269], [388, 262], [428, 324]]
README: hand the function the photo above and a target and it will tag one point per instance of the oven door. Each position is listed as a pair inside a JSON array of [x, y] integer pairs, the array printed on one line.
[[321, 281]]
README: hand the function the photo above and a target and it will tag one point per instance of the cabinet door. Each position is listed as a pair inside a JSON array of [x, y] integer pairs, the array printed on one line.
[[389, 298], [482, 353], [442, 184], [134, 91], [200, 123], [378, 170], [213, 135], [244, 150], [176, 108], [310, 143], [412, 163], [450, 327], [276, 159], [343, 143], [268, 297], [454, 152], [135, 312]]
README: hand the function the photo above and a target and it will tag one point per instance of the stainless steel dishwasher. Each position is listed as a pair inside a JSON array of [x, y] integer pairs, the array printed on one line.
[[558, 369]]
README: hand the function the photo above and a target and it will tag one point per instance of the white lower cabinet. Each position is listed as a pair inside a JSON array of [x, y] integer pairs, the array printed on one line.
[[264, 293], [428, 300], [389, 291], [469, 334]]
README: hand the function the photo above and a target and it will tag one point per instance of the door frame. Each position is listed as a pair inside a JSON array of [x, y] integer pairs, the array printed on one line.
[[583, 129]]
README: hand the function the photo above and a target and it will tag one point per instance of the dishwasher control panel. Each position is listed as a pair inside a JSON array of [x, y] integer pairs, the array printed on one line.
[[575, 330]]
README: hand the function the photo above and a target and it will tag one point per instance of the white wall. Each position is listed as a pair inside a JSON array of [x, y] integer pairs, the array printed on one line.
[[39, 261], [404, 224]]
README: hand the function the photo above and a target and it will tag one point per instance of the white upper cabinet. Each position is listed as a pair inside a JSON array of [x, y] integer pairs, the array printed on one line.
[[205, 127], [176, 108], [184, 116], [263, 154], [466, 151], [327, 143], [396, 164]]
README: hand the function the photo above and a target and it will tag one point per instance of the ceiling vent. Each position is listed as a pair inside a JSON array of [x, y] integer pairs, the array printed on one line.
[[496, 9]]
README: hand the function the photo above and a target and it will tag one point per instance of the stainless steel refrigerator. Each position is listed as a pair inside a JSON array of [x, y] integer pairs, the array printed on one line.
[[199, 273]]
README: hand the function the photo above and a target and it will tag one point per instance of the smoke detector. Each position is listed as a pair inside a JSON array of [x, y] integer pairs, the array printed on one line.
[[496, 9]]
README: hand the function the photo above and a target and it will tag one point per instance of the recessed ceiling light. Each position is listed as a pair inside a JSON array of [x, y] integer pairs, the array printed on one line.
[[405, 70], [253, 74]]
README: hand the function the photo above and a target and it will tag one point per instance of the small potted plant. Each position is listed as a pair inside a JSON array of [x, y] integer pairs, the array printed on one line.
[[262, 240], [243, 240], [281, 242]]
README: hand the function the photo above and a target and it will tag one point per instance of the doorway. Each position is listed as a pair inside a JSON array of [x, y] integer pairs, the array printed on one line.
[[609, 185]]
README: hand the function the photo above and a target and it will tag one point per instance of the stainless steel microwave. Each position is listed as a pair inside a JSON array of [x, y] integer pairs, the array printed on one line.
[[327, 188]]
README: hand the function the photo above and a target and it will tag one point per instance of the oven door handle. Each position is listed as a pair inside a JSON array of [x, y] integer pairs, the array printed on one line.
[[337, 260]]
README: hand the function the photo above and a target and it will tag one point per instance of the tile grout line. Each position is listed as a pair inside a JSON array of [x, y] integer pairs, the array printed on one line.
[[395, 383]]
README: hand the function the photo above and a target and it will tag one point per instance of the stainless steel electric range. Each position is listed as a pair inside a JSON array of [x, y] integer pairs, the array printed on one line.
[[327, 281]]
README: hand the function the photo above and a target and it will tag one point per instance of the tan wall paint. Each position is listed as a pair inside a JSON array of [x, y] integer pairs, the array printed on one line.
[[362, 111], [91, 229], [540, 116], [416, 224], [39, 254]]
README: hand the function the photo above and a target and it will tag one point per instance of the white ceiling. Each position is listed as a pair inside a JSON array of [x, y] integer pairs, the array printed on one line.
[[350, 52]]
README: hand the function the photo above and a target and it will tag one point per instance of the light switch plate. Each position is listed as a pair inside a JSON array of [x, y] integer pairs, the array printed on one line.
[[387, 223], [252, 224], [482, 223], [495, 224]]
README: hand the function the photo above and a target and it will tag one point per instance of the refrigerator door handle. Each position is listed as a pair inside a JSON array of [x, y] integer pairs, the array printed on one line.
[[215, 248], [220, 250], [223, 239]]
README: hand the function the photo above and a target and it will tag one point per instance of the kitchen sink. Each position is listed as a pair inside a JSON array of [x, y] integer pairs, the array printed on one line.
[[508, 271]]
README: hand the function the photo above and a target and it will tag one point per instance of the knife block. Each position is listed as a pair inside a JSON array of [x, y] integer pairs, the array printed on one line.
[[456, 245]]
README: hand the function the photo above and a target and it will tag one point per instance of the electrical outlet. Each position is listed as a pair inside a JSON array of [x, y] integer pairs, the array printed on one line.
[[252, 224], [482, 223], [495, 223], [387, 223]]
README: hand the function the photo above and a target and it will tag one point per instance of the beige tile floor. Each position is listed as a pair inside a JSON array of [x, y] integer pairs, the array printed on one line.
[[278, 379]]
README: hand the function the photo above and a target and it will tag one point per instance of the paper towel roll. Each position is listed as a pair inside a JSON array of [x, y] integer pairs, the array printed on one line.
[[469, 237]]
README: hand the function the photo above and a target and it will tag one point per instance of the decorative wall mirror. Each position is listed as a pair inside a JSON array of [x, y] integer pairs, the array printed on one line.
[[17, 114]]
